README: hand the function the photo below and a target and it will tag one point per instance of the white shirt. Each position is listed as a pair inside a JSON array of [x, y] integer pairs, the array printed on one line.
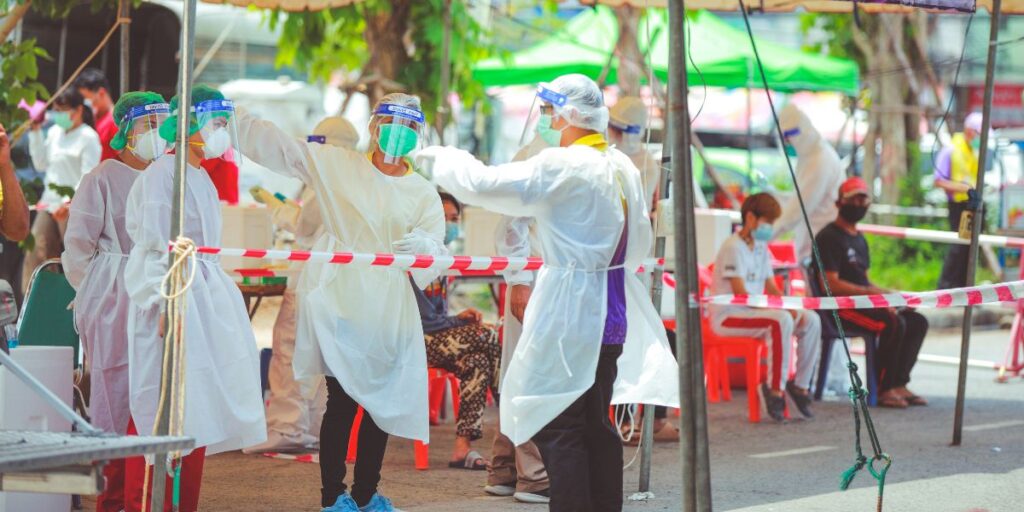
[[65, 157], [737, 259]]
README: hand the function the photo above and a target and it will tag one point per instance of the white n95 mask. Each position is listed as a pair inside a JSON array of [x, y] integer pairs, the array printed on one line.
[[216, 143], [149, 145]]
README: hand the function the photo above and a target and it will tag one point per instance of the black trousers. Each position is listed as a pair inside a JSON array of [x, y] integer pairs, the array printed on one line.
[[900, 340], [581, 449], [660, 412], [334, 435], [954, 267]]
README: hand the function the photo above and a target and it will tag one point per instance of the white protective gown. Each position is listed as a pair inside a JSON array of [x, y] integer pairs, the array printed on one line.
[[223, 398], [359, 325], [574, 194], [65, 157], [819, 174], [96, 247]]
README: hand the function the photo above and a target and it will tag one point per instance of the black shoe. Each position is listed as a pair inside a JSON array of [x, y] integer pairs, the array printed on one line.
[[776, 405], [802, 401]]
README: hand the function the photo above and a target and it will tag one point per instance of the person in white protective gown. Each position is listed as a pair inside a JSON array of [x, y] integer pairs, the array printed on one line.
[[818, 173], [517, 471], [223, 400], [626, 124], [293, 421], [588, 306], [360, 326], [96, 247]]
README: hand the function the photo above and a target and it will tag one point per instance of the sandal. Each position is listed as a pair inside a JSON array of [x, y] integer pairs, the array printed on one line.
[[892, 401], [473, 462], [915, 400]]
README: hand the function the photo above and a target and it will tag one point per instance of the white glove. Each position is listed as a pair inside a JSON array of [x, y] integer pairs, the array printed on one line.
[[416, 242], [425, 158]]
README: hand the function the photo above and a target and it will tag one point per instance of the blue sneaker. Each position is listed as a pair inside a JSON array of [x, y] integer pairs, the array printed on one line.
[[379, 503], [344, 503]]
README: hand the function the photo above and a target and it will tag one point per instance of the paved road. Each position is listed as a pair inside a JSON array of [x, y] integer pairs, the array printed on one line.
[[754, 467]]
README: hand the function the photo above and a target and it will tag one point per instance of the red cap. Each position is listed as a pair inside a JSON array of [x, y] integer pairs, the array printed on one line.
[[852, 187]]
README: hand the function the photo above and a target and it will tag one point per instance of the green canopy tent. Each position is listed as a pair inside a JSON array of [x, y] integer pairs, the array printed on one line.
[[721, 53]]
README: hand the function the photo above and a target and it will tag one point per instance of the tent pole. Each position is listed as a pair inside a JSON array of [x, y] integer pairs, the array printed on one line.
[[695, 471], [750, 116], [181, 148], [125, 11], [977, 221]]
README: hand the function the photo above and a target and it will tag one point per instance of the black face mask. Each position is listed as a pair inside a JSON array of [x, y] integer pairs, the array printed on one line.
[[852, 213]]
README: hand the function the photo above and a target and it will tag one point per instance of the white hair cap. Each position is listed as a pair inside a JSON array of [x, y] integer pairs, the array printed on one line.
[[629, 111], [337, 131], [584, 105]]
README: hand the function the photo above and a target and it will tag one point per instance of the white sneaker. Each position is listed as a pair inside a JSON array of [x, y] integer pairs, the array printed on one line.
[[279, 443], [500, 490], [539, 497]]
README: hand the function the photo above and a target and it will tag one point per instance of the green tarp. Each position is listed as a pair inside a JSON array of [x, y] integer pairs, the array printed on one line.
[[721, 52]]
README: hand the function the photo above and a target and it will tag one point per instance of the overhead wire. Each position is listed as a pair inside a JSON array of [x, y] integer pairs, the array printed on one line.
[[949, 103], [857, 395]]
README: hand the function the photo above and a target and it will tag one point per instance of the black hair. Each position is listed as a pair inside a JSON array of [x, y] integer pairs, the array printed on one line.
[[72, 99], [93, 80], [445, 196]]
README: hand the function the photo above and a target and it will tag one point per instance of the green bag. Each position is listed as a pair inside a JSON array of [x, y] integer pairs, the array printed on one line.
[[46, 318]]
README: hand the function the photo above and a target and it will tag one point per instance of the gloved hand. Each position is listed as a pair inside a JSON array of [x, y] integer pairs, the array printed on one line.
[[425, 158], [416, 242]]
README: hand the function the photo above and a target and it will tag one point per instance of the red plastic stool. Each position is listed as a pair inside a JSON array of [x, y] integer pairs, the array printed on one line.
[[436, 380]]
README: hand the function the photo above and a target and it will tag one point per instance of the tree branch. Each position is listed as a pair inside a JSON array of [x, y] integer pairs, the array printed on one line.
[[13, 17]]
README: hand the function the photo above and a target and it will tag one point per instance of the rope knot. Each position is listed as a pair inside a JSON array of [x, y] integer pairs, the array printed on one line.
[[856, 393], [174, 283]]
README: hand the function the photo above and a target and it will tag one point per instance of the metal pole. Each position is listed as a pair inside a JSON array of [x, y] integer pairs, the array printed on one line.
[[446, 44], [126, 39], [181, 148], [695, 467], [977, 221]]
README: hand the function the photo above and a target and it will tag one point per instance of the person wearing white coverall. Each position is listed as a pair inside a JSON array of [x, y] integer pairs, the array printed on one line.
[[626, 125], [588, 307], [223, 400], [96, 247], [360, 326], [293, 422], [818, 173]]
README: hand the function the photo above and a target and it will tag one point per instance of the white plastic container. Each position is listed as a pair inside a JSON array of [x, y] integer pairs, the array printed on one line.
[[245, 227], [22, 409]]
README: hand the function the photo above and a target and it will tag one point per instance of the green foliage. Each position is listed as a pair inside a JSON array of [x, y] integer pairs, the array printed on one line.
[[336, 39], [839, 28], [63, 191], [18, 73]]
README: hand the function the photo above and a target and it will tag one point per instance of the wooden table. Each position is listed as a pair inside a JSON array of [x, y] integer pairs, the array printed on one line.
[[258, 292]]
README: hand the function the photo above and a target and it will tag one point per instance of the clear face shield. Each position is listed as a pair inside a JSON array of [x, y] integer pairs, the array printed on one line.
[[399, 130], [627, 137], [546, 104], [140, 130], [217, 127]]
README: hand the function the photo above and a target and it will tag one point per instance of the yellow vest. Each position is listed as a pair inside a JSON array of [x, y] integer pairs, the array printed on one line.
[[963, 165]]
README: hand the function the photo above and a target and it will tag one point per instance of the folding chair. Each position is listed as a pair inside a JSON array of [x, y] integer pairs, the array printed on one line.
[[47, 319]]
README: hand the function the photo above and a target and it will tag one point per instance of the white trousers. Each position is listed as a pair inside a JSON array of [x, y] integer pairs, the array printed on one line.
[[777, 327]]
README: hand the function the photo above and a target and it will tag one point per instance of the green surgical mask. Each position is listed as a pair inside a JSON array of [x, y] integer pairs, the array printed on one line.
[[62, 119], [397, 140], [790, 150], [550, 135], [976, 143]]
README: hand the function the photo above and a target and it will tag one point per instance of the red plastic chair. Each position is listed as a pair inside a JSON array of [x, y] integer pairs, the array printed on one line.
[[436, 380]]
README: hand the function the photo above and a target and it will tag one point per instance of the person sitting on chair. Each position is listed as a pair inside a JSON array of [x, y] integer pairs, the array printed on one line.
[[846, 260], [743, 267], [463, 345]]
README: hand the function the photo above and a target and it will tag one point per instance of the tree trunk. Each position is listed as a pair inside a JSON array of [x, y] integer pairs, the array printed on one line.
[[385, 33], [627, 49]]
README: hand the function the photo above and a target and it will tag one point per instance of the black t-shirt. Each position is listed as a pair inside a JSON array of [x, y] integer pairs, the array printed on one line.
[[844, 253]]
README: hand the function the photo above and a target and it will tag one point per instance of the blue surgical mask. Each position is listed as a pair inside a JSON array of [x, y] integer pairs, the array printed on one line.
[[763, 233], [550, 135], [451, 232]]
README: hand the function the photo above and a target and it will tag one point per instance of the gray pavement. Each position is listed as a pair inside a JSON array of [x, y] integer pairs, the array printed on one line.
[[760, 467]]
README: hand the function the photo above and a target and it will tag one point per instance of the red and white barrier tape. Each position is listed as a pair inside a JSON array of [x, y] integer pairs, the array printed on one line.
[[923, 235], [957, 297], [483, 265]]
